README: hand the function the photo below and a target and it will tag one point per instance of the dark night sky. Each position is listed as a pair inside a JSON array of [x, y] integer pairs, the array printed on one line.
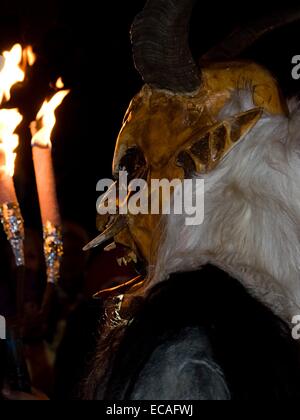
[[88, 44]]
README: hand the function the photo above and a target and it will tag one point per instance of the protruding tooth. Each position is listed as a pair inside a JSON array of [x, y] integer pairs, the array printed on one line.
[[133, 257], [106, 197], [125, 261], [112, 230], [110, 247], [120, 261]]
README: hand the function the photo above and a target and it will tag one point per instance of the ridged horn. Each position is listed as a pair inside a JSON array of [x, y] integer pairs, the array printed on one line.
[[160, 40]]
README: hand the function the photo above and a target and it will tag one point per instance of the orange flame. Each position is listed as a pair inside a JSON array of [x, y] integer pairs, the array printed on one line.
[[29, 56], [59, 83], [45, 120], [11, 72]]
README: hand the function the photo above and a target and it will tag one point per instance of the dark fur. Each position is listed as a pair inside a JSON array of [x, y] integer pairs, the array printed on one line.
[[253, 348]]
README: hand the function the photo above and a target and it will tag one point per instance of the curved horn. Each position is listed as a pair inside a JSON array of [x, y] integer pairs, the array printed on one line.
[[161, 50], [243, 37]]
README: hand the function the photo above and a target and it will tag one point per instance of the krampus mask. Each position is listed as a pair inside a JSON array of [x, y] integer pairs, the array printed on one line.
[[224, 121]]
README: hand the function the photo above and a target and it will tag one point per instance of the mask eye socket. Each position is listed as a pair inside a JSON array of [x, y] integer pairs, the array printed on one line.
[[133, 162], [186, 162]]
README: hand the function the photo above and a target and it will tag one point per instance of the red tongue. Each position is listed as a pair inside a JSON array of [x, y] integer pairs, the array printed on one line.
[[103, 271]]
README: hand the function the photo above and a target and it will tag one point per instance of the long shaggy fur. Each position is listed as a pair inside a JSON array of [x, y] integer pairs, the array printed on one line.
[[198, 336], [252, 214]]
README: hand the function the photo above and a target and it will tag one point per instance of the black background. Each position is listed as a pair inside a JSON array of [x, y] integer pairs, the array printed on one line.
[[87, 43]]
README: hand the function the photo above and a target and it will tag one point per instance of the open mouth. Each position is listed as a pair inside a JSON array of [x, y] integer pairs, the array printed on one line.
[[128, 256], [113, 239], [132, 269]]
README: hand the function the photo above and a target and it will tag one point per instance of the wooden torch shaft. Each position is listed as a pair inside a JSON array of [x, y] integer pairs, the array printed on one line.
[[45, 180]]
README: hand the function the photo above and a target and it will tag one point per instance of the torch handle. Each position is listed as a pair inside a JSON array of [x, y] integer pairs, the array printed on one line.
[[20, 286], [45, 181], [17, 373], [47, 302]]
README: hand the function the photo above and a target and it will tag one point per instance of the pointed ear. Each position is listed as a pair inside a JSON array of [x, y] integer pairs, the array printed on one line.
[[208, 151], [242, 123]]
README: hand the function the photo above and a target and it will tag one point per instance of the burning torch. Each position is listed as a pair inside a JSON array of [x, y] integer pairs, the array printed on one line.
[[41, 130], [12, 72]]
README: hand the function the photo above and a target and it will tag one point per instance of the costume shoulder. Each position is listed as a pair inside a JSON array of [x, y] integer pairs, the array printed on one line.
[[182, 368], [200, 336]]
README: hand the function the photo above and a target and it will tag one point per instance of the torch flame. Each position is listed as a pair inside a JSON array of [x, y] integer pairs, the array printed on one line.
[[45, 120], [29, 56], [11, 72], [9, 120], [59, 83]]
